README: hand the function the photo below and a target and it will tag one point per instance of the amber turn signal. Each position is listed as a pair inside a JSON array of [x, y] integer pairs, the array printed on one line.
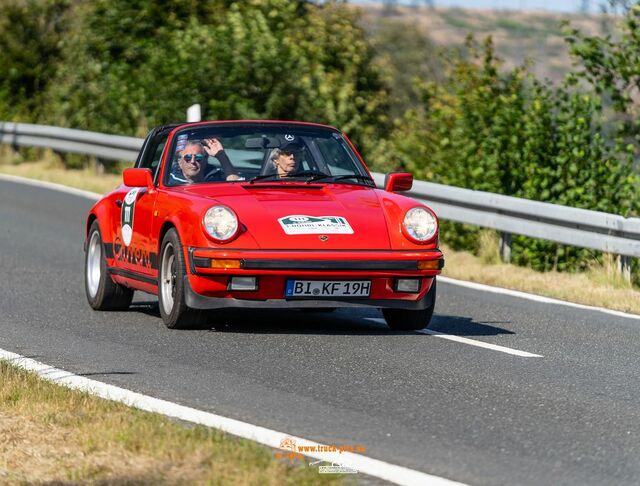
[[216, 263], [430, 264]]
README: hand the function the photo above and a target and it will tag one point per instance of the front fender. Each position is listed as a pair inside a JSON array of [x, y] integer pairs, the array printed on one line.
[[185, 214]]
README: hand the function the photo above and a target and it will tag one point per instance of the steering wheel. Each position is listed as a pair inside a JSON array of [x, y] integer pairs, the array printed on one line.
[[215, 175]]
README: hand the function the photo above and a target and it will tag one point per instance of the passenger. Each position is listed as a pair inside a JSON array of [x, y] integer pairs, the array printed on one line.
[[286, 160], [192, 161]]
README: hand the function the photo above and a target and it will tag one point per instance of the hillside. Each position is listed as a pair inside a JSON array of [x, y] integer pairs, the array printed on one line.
[[517, 35]]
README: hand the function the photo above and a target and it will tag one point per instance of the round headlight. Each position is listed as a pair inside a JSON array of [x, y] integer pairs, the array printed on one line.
[[420, 224], [220, 223]]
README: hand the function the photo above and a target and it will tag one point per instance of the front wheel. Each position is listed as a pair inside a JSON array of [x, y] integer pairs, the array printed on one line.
[[173, 308], [102, 292], [411, 320]]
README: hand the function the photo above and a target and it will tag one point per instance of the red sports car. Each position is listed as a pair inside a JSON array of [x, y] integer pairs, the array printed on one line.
[[260, 214]]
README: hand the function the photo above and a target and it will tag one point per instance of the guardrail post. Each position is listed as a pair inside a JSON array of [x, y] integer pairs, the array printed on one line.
[[624, 267], [194, 113], [505, 247]]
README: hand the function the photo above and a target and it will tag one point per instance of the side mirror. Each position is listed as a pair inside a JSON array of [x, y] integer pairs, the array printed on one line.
[[137, 178], [398, 181]]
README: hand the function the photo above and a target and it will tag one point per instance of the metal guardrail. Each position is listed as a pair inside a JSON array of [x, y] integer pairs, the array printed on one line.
[[101, 145], [509, 215]]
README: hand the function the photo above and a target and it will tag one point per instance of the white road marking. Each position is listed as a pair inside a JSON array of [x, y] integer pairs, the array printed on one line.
[[471, 342], [271, 438], [94, 196], [462, 283], [480, 344], [534, 297]]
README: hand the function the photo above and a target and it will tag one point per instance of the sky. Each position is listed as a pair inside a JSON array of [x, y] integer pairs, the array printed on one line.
[[569, 6]]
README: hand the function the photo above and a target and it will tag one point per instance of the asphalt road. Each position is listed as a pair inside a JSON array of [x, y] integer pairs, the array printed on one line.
[[447, 408]]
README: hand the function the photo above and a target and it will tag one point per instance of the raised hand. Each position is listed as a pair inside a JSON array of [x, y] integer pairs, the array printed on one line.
[[212, 146]]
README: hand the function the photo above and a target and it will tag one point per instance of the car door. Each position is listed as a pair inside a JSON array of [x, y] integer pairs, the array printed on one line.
[[135, 248]]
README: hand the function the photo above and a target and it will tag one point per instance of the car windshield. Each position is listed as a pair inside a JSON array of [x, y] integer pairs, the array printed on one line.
[[263, 153]]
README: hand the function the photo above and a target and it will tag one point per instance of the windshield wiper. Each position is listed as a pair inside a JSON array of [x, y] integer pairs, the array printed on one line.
[[304, 173], [313, 175], [359, 177], [316, 176], [260, 177]]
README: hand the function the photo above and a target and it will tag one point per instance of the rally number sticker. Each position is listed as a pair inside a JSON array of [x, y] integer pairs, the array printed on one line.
[[312, 225], [126, 218]]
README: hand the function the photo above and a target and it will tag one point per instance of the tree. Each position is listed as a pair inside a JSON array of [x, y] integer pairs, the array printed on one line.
[[405, 55], [612, 66], [31, 32]]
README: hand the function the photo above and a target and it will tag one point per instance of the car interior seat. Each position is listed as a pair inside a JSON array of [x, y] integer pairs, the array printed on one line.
[[267, 167]]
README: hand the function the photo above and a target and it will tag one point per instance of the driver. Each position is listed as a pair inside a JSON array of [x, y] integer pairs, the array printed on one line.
[[192, 161]]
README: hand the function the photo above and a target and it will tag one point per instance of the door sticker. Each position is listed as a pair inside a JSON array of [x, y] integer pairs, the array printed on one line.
[[312, 225], [126, 219]]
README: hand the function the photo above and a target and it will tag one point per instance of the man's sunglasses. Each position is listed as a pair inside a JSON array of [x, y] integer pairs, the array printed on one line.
[[188, 157]]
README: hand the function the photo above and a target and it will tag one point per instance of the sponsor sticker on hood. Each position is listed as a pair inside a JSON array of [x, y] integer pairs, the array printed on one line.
[[299, 224]]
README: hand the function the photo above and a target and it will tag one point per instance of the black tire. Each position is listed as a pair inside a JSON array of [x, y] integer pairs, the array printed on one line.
[[411, 320], [172, 269], [102, 292]]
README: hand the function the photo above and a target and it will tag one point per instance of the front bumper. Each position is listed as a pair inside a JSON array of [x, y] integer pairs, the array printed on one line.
[[208, 288], [198, 301]]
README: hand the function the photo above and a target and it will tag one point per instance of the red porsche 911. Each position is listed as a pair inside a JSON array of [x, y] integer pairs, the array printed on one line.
[[260, 214]]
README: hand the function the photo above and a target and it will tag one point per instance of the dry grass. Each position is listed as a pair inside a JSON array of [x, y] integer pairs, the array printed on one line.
[[488, 247], [54, 435], [601, 286]]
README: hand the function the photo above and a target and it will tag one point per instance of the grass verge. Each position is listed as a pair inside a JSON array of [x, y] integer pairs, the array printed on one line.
[[598, 287], [53, 435], [52, 171]]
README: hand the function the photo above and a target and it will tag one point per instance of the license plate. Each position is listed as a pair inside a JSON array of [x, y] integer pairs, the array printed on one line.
[[328, 288]]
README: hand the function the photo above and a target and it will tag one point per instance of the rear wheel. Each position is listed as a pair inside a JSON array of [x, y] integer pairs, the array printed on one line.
[[411, 320], [102, 292], [173, 309]]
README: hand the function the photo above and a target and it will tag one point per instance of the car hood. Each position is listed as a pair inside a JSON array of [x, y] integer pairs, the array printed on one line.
[[302, 216]]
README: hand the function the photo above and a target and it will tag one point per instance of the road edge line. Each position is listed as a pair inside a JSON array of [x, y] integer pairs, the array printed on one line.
[[373, 467], [534, 297], [94, 196]]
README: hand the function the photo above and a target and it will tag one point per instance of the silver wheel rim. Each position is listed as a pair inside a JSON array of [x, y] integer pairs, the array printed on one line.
[[94, 257], [168, 278]]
